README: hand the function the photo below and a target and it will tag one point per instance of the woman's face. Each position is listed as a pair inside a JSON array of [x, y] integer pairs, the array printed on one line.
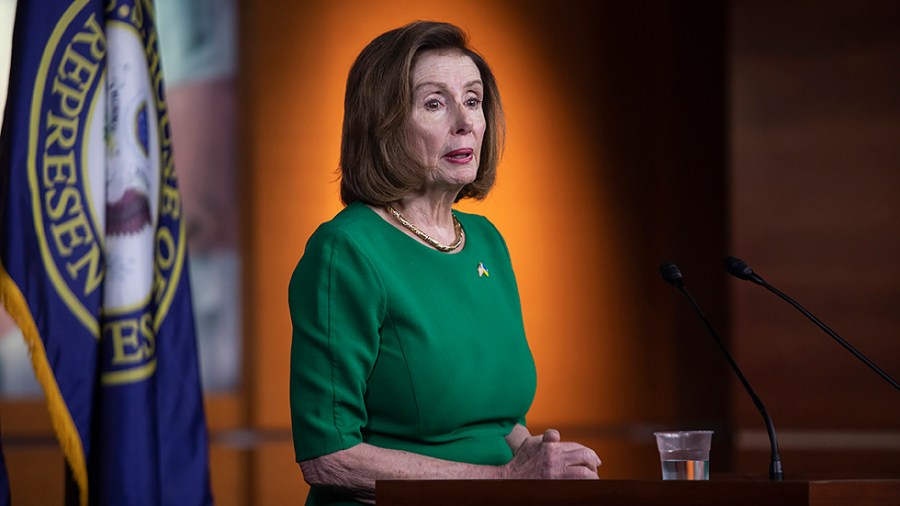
[[447, 122]]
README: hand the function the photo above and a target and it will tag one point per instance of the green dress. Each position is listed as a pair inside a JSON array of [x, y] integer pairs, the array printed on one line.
[[401, 346]]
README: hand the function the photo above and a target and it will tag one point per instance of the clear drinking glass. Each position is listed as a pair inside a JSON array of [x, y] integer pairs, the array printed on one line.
[[684, 455]]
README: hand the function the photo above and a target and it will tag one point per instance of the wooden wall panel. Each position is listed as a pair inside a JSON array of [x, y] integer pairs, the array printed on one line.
[[816, 206], [36, 473], [230, 477], [276, 476]]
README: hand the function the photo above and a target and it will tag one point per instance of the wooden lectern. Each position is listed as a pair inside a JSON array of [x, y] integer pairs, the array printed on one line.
[[880, 492]]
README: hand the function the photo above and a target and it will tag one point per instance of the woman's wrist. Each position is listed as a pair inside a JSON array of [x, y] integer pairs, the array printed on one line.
[[503, 472]]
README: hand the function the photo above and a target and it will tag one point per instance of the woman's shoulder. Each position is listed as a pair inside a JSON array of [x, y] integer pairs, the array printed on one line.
[[352, 221], [481, 231], [340, 232], [344, 238], [477, 224], [472, 219]]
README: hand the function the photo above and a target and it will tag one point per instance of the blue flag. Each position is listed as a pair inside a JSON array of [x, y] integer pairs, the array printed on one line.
[[93, 260]]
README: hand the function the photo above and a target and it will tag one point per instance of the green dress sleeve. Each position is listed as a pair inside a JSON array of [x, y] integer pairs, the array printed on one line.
[[336, 303]]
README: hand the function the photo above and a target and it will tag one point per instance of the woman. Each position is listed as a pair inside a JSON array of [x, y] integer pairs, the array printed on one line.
[[409, 358]]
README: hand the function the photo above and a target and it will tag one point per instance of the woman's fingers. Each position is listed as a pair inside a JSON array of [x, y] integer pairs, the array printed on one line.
[[588, 463], [580, 454], [574, 461], [580, 473], [547, 457], [584, 456]]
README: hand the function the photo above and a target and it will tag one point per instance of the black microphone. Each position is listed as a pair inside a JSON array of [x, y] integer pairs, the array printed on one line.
[[672, 275], [738, 268]]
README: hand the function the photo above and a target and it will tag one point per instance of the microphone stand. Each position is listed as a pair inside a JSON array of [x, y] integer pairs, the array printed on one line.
[[673, 276]]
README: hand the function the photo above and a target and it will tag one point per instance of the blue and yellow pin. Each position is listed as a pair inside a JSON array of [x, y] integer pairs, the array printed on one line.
[[482, 270]]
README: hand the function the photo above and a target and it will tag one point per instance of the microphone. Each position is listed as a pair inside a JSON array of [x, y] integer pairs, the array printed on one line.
[[672, 275], [739, 269]]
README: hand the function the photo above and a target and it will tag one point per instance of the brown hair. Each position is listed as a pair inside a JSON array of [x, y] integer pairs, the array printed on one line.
[[377, 166]]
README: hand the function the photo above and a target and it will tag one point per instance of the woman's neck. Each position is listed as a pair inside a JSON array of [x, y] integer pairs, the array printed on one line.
[[429, 214]]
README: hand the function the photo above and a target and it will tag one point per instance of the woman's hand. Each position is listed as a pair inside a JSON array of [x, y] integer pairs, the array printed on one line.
[[546, 457]]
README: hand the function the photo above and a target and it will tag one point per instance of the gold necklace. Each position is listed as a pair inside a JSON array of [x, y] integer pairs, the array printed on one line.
[[427, 238]]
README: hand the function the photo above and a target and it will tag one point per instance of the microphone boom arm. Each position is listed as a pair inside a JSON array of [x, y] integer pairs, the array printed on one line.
[[739, 269], [849, 347]]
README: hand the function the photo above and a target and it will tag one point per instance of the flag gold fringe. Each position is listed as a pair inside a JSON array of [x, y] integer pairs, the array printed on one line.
[[66, 432]]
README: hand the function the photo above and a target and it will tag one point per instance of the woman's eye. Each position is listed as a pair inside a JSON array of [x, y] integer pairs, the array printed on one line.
[[473, 102], [433, 104]]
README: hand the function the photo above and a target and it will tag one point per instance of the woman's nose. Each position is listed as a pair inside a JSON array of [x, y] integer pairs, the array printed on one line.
[[462, 120]]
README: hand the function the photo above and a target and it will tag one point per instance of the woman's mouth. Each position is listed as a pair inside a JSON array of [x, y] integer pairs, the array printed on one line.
[[460, 156]]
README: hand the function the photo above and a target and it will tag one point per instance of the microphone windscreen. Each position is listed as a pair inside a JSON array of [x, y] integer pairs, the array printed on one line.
[[738, 268], [670, 273]]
